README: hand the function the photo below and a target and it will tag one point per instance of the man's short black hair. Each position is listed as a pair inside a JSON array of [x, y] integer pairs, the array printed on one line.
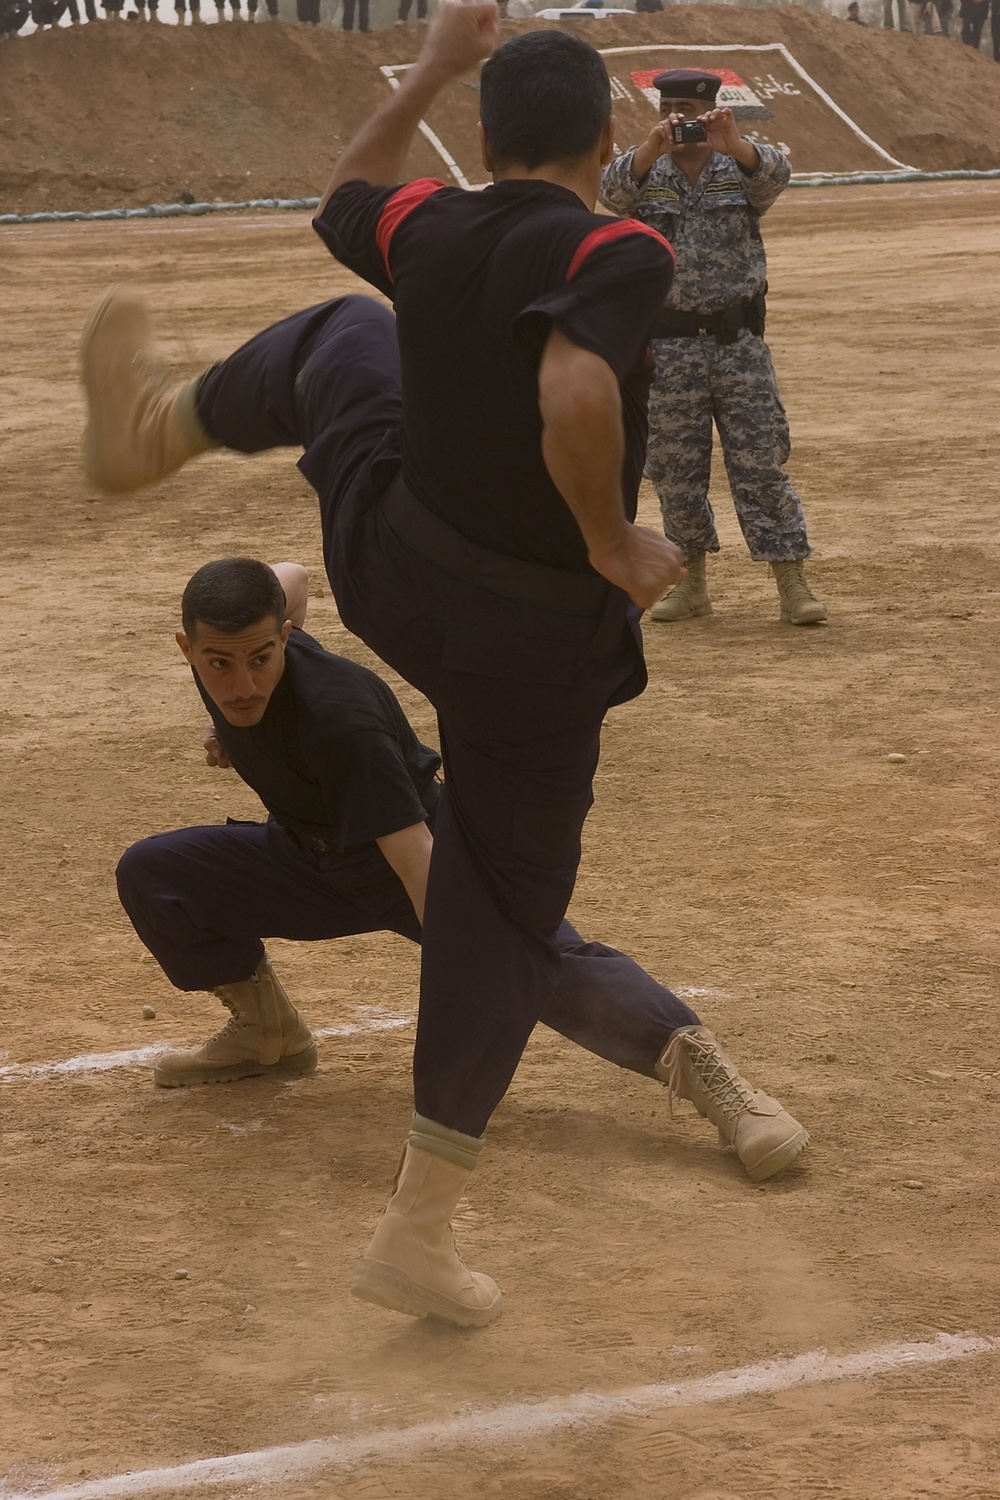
[[544, 96], [231, 595]]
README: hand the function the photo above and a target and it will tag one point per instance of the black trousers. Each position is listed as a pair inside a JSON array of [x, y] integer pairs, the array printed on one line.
[[520, 692], [973, 21], [201, 899], [362, 10]]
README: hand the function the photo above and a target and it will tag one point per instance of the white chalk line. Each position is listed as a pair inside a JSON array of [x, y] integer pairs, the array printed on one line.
[[140, 1057], [518, 1421], [103, 1062], [449, 161], [425, 130]]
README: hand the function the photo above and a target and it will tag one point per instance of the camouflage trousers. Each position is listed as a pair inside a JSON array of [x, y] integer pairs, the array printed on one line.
[[698, 380]]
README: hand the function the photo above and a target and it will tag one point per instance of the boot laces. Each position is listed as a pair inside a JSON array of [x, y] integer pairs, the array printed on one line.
[[718, 1078], [236, 1024], [793, 587]]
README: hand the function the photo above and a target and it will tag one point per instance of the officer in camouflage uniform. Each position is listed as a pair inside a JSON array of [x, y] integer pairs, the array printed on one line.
[[706, 198]]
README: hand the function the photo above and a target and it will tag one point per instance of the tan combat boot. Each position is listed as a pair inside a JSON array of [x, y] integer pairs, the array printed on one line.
[[140, 426], [266, 1036], [765, 1136], [798, 605], [689, 598], [412, 1264]]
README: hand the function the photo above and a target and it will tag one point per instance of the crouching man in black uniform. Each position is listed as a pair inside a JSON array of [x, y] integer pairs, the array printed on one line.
[[352, 796], [350, 792]]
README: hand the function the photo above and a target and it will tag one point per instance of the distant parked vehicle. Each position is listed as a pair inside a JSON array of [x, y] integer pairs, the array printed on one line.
[[584, 8]]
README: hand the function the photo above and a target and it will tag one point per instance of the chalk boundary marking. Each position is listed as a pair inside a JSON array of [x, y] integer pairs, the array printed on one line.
[[134, 1057], [487, 1428], [389, 71], [104, 1062]]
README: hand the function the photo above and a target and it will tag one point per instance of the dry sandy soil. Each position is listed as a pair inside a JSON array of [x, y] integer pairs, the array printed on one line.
[[834, 914], [108, 116]]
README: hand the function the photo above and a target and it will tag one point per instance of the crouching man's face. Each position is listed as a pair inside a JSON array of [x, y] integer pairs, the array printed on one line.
[[239, 670]]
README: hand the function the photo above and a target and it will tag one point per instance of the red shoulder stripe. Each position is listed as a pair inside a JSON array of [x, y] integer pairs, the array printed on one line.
[[615, 230], [399, 206]]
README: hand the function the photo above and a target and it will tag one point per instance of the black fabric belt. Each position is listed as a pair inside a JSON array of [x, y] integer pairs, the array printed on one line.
[[309, 841], [514, 578], [725, 325]]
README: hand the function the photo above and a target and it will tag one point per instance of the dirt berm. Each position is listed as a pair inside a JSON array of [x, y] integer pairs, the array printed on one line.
[[100, 116]]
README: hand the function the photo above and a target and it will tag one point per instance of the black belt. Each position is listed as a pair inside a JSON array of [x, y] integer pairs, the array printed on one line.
[[512, 577], [314, 845], [725, 325]]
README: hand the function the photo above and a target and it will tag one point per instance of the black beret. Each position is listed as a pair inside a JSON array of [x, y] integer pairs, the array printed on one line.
[[687, 83]]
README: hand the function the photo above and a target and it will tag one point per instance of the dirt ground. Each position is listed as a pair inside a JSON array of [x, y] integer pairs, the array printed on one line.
[[95, 117], [833, 913]]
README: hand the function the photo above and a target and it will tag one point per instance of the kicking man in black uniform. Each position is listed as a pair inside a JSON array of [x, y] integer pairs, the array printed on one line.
[[477, 462]]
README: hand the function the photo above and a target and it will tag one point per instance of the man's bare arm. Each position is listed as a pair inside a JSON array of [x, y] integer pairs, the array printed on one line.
[[294, 579], [458, 37], [583, 445], [408, 852]]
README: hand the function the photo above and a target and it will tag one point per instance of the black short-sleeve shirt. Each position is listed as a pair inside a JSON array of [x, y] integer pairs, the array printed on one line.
[[334, 756], [478, 280]]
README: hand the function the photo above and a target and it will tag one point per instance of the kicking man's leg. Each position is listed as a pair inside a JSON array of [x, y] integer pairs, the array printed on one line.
[[201, 899], [606, 1003], [142, 427], [520, 748]]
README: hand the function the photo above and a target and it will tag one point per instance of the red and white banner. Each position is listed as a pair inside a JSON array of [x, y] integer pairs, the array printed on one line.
[[734, 94]]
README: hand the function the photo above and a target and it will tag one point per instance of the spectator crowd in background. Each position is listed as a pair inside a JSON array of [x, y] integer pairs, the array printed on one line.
[[932, 17], [935, 17], [45, 14]]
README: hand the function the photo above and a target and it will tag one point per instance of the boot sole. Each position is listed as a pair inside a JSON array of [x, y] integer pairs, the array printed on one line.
[[112, 481], [375, 1281], [814, 619], [781, 1157], [689, 614], [92, 465], [295, 1066]]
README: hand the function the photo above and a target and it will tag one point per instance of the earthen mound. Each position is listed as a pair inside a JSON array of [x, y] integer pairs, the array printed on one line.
[[99, 116]]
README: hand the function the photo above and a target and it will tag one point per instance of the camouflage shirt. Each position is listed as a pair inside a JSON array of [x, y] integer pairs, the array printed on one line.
[[713, 225]]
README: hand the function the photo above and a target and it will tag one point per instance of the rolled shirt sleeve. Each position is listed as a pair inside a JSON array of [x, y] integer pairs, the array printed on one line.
[[770, 179], [367, 788], [614, 288], [619, 191], [360, 222]]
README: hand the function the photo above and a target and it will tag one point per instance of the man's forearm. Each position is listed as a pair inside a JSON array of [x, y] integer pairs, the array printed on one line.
[[746, 153], [458, 38], [642, 162], [377, 154], [769, 180], [580, 457], [583, 444], [583, 441], [619, 189], [408, 853], [294, 579]]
